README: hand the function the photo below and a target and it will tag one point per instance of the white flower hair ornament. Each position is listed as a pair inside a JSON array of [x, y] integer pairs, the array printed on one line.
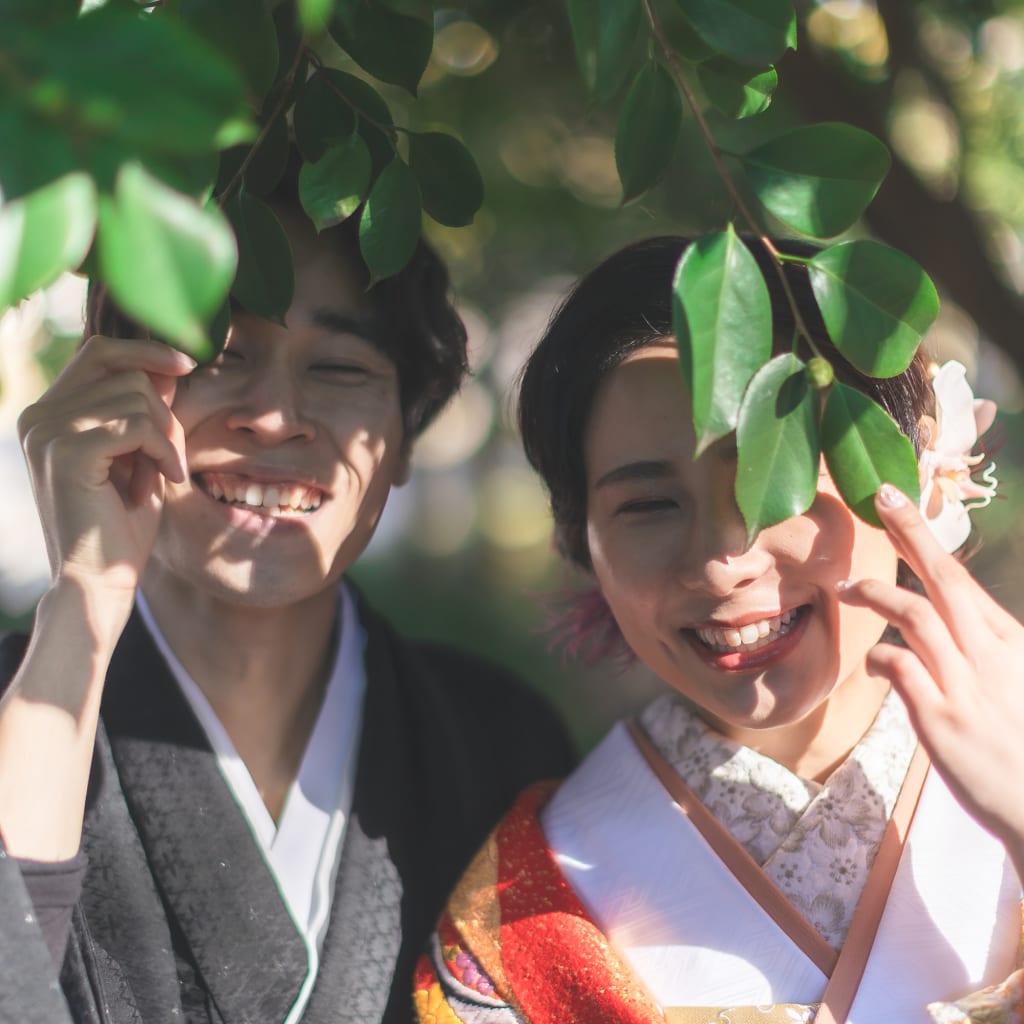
[[949, 491]]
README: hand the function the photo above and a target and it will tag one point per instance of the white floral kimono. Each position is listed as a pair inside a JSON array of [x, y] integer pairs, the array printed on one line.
[[679, 877]]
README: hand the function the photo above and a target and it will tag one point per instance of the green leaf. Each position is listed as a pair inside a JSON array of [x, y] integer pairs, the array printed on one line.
[[749, 31], [777, 443], [648, 128], [267, 165], [604, 33], [864, 448], [322, 117], [158, 88], [241, 30], [167, 261], [33, 153], [393, 47], [877, 304], [681, 35], [314, 15], [389, 227], [265, 280], [734, 89], [332, 189], [44, 234], [818, 179], [449, 179], [723, 322], [37, 12]]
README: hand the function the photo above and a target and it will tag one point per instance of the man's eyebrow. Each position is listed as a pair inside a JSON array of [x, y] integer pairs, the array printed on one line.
[[346, 323], [654, 469]]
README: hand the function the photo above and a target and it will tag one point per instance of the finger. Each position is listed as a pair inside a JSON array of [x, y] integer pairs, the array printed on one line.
[[100, 357], [953, 591], [914, 683], [920, 625], [94, 450], [146, 482]]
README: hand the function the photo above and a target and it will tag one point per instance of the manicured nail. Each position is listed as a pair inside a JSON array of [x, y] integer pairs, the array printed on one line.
[[842, 585], [890, 497]]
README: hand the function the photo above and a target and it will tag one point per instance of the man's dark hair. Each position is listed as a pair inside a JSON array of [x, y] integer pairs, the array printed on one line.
[[416, 322], [625, 304]]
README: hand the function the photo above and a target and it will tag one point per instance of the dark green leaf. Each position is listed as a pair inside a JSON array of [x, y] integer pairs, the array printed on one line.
[[266, 275], [819, 178], [393, 47], [243, 31], [389, 227], [269, 161], [750, 31], [194, 175], [877, 304], [647, 131], [863, 449], [332, 189], [167, 261], [723, 323], [44, 234], [681, 35], [314, 15], [777, 443], [158, 87], [734, 89], [449, 180], [37, 12], [33, 153], [604, 32]]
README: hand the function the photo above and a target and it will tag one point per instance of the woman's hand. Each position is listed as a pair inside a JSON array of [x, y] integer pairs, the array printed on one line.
[[961, 675], [99, 444]]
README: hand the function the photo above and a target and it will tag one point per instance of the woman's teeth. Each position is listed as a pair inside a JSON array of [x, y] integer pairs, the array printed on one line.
[[270, 499], [751, 637]]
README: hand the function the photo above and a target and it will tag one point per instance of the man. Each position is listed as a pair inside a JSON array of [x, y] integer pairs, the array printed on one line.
[[262, 792]]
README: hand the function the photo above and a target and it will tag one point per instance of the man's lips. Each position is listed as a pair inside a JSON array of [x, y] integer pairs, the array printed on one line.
[[264, 494]]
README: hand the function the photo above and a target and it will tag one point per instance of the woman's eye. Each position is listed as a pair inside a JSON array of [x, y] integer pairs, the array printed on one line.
[[347, 371]]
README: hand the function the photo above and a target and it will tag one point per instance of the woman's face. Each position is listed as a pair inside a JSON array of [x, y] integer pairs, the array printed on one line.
[[754, 637]]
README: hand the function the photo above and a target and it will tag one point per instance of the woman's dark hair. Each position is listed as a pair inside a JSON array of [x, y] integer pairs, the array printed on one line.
[[625, 304], [418, 326]]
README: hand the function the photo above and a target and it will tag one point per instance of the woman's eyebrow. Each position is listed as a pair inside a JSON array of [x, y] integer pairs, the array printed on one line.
[[652, 469]]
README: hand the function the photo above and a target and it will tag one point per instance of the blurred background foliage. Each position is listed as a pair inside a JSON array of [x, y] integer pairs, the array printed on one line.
[[464, 551]]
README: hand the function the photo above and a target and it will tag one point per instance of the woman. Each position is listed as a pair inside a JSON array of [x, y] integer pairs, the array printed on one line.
[[768, 841]]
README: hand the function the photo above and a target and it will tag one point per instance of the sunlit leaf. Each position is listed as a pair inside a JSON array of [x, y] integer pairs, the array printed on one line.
[[735, 89], [864, 448], [44, 234], [819, 178], [777, 444], [266, 277], [722, 317], [750, 31], [648, 128], [393, 47], [604, 32], [242, 30], [389, 227], [450, 183], [332, 189], [877, 304], [167, 261]]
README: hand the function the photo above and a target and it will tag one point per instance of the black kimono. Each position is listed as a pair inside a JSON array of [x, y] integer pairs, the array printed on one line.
[[179, 917]]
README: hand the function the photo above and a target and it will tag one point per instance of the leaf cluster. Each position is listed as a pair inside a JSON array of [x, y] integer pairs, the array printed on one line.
[[142, 143], [671, 58]]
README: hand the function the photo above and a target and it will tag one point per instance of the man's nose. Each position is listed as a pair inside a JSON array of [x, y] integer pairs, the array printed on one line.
[[271, 407]]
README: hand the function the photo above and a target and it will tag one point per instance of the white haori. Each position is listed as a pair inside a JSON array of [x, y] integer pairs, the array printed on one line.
[[695, 936]]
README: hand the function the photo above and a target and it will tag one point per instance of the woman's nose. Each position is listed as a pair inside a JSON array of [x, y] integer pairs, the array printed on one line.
[[719, 558]]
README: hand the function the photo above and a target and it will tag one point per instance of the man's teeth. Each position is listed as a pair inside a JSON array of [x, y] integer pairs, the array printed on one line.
[[277, 499], [752, 636]]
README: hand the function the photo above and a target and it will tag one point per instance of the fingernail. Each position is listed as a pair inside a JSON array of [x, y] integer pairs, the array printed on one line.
[[890, 497], [842, 585]]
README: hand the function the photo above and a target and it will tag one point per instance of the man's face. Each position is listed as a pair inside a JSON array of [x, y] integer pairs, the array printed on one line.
[[293, 439]]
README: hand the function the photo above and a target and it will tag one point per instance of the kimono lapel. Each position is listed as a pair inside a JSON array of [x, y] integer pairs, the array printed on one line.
[[205, 862]]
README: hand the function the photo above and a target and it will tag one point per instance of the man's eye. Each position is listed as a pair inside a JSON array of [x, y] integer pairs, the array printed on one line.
[[646, 506]]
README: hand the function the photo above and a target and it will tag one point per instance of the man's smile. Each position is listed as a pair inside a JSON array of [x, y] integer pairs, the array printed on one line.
[[266, 497]]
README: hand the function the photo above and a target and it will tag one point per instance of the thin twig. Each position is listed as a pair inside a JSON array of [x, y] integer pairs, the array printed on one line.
[[286, 84], [658, 31]]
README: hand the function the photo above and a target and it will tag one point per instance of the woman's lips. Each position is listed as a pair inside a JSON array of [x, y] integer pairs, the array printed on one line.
[[717, 647]]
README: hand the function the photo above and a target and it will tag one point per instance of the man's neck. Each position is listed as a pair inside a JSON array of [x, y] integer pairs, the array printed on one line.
[[263, 671]]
